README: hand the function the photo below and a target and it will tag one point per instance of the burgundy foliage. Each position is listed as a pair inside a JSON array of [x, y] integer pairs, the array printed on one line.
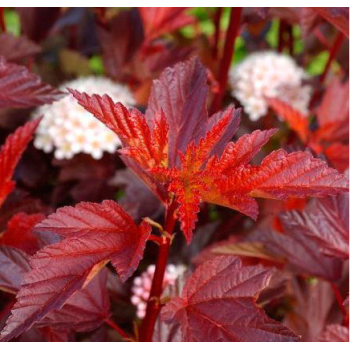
[[254, 214], [22, 89]]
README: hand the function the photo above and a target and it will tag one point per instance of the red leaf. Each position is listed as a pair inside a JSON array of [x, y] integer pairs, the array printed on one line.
[[36, 22], [181, 92], [161, 20], [84, 311], [15, 48], [280, 176], [121, 42], [311, 308], [175, 148], [326, 222], [302, 254], [333, 118], [296, 175], [20, 88], [10, 154], [335, 333], [19, 233], [338, 16], [14, 264], [338, 155], [296, 120], [218, 304], [95, 234], [131, 127], [145, 146]]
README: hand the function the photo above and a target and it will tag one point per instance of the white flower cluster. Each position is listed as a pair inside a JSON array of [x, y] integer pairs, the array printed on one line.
[[69, 129], [142, 286], [269, 74]]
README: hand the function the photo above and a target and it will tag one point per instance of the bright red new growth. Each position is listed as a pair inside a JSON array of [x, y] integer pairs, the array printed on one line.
[[19, 232], [297, 121], [160, 20], [10, 154], [224, 177]]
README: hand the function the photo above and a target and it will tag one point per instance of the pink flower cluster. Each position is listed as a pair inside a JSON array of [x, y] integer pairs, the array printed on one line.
[[142, 286]]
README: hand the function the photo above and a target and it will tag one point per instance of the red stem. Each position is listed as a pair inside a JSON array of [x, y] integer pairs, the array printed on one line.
[[340, 303], [153, 304], [2, 19], [116, 328], [281, 31], [321, 37], [231, 35], [290, 39], [333, 51], [217, 20]]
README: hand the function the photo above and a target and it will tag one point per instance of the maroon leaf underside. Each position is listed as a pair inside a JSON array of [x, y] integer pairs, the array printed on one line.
[[218, 304]]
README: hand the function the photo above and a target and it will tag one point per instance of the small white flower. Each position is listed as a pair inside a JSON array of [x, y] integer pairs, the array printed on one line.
[[68, 129], [269, 74]]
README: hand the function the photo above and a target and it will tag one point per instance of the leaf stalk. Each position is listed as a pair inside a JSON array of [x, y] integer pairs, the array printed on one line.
[[153, 305], [231, 35]]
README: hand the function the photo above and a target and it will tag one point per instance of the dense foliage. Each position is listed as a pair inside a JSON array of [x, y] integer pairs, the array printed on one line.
[[223, 215]]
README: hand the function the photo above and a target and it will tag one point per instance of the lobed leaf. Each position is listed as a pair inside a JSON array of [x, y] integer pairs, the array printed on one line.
[[181, 93], [326, 223], [19, 232], [84, 311], [218, 304], [296, 120], [95, 234], [302, 254], [20, 88], [120, 42], [333, 118], [311, 308], [14, 264], [338, 155], [335, 333], [10, 154], [161, 20], [15, 48], [176, 149]]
